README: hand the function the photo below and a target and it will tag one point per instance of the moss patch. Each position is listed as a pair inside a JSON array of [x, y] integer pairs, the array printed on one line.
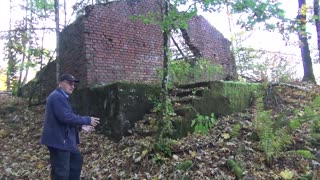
[[224, 98]]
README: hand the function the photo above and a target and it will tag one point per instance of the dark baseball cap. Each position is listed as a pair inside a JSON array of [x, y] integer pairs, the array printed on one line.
[[68, 77]]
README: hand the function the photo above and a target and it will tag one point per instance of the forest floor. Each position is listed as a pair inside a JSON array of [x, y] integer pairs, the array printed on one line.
[[196, 156]]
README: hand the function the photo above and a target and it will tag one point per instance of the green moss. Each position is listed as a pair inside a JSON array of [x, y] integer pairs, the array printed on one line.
[[240, 94], [227, 97], [184, 165], [236, 168]]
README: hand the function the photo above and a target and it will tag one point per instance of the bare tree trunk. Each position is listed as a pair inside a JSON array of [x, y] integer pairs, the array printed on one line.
[[304, 47], [233, 44], [317, 24], [30, 43], [164, 88], [24, 39], [56, 9], [10, 55], [65, 12]]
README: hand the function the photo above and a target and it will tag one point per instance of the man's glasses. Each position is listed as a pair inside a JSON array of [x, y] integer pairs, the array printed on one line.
[[70, 83]]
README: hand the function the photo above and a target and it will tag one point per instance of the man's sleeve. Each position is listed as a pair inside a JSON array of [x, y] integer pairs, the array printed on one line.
[[64, 113]]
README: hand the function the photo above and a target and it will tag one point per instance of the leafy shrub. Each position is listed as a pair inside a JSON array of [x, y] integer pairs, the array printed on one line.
[[202, 124], [163, 146]]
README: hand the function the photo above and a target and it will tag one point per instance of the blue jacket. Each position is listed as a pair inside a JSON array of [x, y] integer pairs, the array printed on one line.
[[61, 124]]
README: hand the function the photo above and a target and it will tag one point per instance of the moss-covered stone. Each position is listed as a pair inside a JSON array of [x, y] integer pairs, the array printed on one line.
[[118, 105], [182, 124], [223, 98]]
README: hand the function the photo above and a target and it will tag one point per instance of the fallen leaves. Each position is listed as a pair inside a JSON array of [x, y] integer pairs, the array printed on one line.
[[197, 156]]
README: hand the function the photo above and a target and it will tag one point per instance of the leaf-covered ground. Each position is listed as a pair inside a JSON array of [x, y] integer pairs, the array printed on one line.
[[193, 157]]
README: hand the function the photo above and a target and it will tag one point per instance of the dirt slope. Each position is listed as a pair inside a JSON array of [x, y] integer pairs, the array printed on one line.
[[193, 157]]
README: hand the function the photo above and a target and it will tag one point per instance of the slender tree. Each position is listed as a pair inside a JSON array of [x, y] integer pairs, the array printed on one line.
[[30, 32], [304, 46], [56, 9], [166, 36], [317, 24], [24, 40], [11, 62]]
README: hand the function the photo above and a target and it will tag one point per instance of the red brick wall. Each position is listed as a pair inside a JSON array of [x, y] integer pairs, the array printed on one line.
[[105, 45], [73, 57], [211, 43], [120, 48]]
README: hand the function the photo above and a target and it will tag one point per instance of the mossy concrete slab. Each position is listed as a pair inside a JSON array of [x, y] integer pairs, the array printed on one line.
[[118, 105], [222, 98]]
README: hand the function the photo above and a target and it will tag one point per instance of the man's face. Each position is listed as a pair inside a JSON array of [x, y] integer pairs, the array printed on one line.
[[67, 86]]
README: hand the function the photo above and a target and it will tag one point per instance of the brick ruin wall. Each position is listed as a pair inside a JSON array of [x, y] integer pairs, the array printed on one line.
[[212, 44], [106, 45]]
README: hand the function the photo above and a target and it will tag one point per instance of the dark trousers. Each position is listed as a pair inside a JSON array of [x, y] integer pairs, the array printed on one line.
[[65, 165]]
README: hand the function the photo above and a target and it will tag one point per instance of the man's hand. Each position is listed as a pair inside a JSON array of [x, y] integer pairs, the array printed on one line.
[[87, 128], [94, 121]]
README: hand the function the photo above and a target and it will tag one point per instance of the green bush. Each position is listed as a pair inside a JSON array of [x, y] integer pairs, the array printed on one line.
[[202, 124]]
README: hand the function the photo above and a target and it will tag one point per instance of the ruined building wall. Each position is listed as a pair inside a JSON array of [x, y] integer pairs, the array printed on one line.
[[211, 43], [106, 45], [73, 57]]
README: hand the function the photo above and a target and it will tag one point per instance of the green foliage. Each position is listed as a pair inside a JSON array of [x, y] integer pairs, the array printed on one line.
[[163, 147], [181, 72], [303, 153], [173, 20], [273, 140], [311, 113], [202, 124], [235, 130], [294, 124], [158, 106], [184, 165], [257, 12], [41, 5], [236, 168], [305, 177]]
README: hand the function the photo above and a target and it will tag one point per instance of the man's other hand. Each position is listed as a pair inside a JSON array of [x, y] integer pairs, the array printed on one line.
[[94, 121], [87, 128]]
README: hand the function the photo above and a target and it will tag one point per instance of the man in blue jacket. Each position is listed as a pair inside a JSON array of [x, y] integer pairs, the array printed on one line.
[[61, 131]]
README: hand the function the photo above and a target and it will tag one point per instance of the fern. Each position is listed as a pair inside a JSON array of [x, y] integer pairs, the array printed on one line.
[[302, 153], [273, 139], [294, 124], [235, 130]]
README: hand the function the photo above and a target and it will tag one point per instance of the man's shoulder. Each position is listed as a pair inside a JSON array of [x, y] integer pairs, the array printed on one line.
[[55, 94]]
